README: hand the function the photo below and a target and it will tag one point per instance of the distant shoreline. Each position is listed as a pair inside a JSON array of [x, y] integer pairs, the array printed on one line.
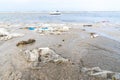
[[46, 12]]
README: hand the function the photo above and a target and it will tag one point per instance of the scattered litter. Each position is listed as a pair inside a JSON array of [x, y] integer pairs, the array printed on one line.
[[5, 35], [47, 29], [22, 43], [31, 28], [93, 35], [63, 29], [4, 38], [3, 31], [44, 28], [50, 30]]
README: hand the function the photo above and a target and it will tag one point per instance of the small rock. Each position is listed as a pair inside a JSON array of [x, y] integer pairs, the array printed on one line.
[[59, 45]]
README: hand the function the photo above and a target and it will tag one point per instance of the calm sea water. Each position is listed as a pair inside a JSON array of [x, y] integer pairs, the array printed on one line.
[[65, 17]]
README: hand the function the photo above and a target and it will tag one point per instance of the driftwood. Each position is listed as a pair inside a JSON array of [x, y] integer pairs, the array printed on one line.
[[89, 25], [30, 41]]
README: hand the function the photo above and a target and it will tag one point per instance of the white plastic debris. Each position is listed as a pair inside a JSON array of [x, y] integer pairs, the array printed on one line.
[[3, 31], [53, 30], [5, 38], [65, 28], [5, 35], [93, 35]]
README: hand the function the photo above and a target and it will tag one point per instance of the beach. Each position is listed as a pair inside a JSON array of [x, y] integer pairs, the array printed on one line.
[[83, 44]]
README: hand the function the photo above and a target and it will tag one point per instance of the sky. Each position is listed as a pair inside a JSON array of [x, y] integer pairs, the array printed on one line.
[[61, 5]]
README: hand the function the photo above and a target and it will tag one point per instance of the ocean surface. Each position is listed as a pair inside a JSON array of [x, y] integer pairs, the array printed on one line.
[[72, 17]]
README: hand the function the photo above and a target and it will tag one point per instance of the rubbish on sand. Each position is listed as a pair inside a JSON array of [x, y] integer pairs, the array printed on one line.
[[22, 43], [44, 28], [93, 35], [47, 29], [53, 30], [28, 28], [3, 31], [4, 38], [24, 28], [5, 35], [31, 28], [63, 29]]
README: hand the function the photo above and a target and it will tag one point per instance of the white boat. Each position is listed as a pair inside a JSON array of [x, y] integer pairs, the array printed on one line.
[[55, 13]]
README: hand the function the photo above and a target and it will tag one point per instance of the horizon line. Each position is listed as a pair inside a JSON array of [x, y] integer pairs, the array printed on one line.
[[49, 11]]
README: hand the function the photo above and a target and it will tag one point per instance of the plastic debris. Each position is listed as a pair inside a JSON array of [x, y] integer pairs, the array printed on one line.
[[93, 35], [64, 29], [3, 31], [53, 30], [5, 35], [31, 28]]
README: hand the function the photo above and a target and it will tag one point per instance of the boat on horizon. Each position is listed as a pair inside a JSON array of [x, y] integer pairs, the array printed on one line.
[[55, 13]]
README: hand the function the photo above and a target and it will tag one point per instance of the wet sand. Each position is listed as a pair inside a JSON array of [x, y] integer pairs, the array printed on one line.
[[75, 45]]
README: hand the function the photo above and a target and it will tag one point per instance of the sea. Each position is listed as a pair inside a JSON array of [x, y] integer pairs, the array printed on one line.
[[65, 17]]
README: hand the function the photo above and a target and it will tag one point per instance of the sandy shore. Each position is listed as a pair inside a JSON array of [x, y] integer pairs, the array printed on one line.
[[75, 45]]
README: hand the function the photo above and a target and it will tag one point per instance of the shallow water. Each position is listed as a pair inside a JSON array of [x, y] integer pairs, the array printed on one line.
[[63, 18], [106, 31]]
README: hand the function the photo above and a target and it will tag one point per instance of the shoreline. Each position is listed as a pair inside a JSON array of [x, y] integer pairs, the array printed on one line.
[[72, 42], [103, 29]]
